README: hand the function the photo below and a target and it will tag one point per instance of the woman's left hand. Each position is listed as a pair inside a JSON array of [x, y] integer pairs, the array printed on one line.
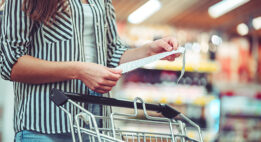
[[163, 45]]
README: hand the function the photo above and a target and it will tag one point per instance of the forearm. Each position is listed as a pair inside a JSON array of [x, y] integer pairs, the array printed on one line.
[[36, 71], [155, 47], [134, 54]]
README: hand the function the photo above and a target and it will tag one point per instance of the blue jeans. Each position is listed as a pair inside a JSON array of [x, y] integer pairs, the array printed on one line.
[[31, 136], [94, 108]]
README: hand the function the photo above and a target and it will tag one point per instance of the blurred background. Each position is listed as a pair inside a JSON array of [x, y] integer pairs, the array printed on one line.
[[220, 90]]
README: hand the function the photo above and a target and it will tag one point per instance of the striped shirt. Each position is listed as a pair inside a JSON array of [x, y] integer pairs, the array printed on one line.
[[60, 41]]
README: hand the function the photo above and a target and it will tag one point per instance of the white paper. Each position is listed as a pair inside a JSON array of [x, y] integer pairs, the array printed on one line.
[[129, 66]]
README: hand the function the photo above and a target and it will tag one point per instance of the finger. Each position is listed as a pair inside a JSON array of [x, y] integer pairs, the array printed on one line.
[[103, 89], [173, 42], [169, 58], [177, 55], [113, 77], [165, 58], [113, 74], [117, 71], [164, 45], [109, 83]]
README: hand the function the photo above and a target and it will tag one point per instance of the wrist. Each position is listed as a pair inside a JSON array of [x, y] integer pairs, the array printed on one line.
[[148, 51], [77, 68]]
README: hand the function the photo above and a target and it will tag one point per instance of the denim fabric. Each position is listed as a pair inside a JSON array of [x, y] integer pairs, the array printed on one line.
[[95, 108], [31, 136]]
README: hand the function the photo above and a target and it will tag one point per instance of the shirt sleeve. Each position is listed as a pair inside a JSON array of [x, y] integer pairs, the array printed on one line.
[[16, 29], [115, 46]]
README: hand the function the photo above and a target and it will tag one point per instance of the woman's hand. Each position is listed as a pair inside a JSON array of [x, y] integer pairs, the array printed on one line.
[[163, 45], [98, 78]]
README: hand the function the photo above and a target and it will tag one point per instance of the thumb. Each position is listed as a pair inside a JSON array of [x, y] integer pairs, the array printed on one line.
[[113, 70]]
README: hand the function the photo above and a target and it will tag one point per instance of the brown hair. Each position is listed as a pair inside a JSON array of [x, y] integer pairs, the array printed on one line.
[[2, 2], [44, 10]]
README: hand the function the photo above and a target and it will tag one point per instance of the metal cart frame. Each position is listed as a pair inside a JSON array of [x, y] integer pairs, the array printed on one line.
[[111, 133]]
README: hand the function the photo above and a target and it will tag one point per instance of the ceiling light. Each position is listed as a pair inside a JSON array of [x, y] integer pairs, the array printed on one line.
[[224, 6], [144, 12], [216, 40], [242, 29], [257, 23]]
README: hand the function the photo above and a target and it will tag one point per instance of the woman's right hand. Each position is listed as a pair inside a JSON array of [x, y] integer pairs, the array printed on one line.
[[98, 78]]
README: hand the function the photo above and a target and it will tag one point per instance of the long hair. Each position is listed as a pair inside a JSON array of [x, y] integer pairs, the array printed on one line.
[[2, 3], [43, 10]]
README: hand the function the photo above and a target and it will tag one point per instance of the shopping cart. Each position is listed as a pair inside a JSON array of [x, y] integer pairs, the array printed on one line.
[[110, 133]]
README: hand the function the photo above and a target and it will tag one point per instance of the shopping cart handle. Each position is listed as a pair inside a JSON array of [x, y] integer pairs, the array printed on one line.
[[168, 111], [60, 98]]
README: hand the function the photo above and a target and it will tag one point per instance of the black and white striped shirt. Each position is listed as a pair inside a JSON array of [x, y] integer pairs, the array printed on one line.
[[60, 41]]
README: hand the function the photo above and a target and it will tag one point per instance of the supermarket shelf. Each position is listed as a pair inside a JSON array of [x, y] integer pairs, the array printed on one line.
[[207, 67], [166, 93], [243, 116], [239, 87], [198, 101]]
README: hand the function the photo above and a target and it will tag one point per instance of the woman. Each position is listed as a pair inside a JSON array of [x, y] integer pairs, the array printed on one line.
[[71, 45]]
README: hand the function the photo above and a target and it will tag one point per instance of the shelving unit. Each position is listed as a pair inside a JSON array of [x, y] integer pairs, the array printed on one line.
[[241, 119], [205, 66], [167, 93], [243, 116], [156, 83]]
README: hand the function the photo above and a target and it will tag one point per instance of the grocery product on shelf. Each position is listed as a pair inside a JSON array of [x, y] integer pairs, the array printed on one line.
[[240, 121], [216, 64]]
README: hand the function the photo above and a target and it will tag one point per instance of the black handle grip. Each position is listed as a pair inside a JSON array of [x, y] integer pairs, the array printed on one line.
[[60, 98]]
